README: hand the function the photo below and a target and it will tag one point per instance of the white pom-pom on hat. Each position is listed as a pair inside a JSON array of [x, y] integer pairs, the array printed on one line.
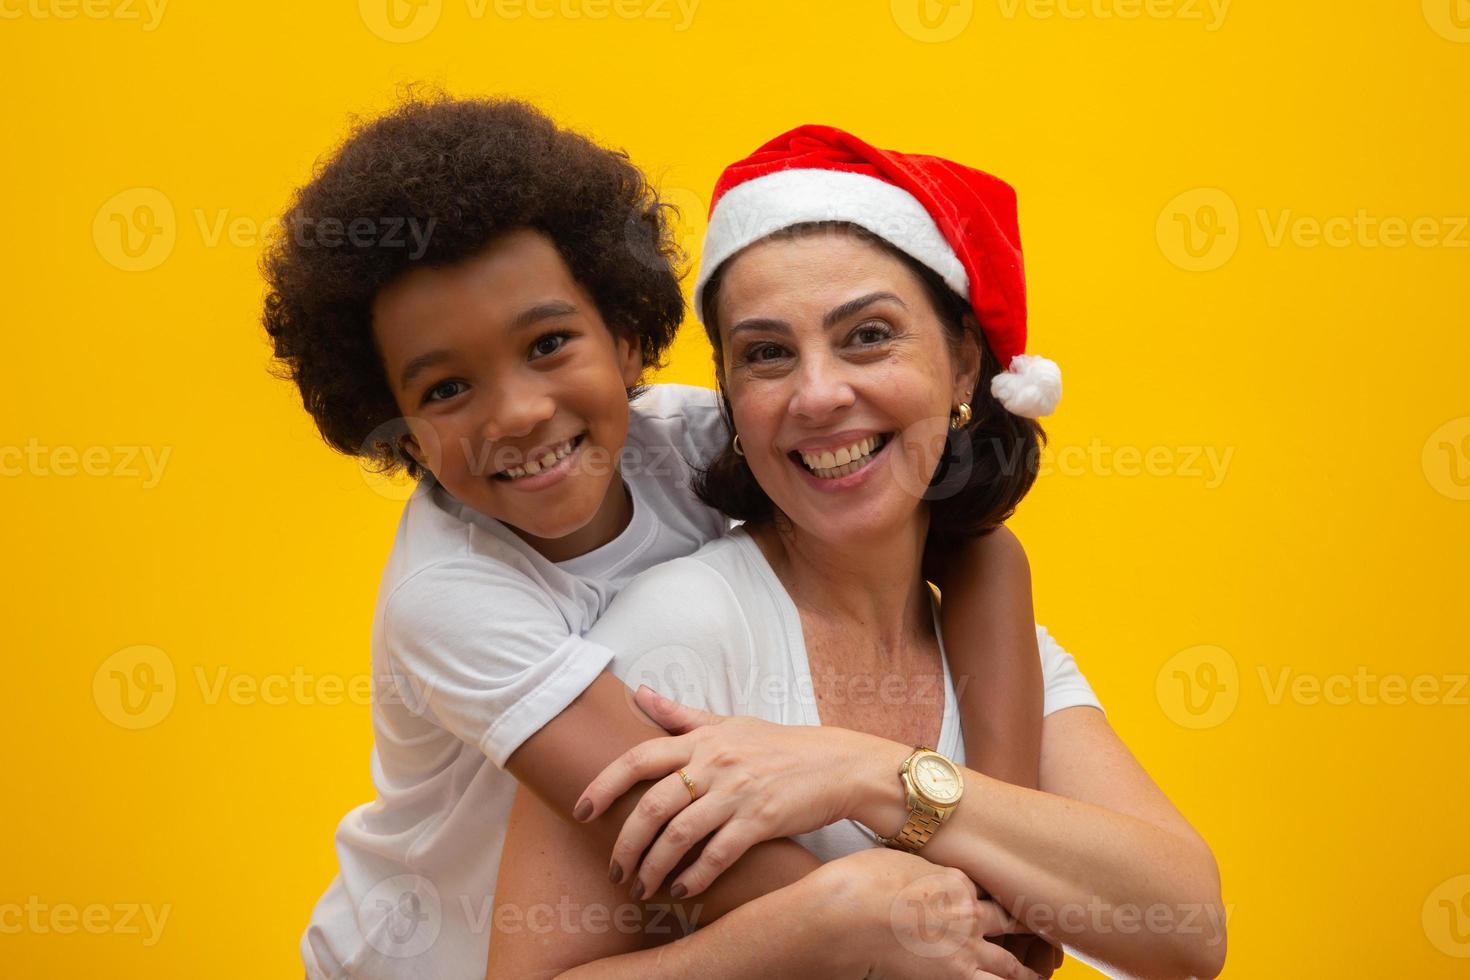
[[1031, 387]]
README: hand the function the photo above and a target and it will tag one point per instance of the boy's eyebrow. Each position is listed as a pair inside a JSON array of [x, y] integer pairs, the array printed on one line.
[[420, 364], [833, 316], [537, 313], [542, 311]]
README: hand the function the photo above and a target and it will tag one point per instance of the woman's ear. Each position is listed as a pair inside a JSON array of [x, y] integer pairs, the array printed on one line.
[[967, 362], [630, 358]]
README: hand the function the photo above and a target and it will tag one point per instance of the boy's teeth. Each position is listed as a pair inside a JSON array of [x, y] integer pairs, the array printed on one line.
[[546, 462], [848, 459]]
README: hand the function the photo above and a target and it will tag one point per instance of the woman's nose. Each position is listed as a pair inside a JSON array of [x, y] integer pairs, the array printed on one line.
[[822, 388]]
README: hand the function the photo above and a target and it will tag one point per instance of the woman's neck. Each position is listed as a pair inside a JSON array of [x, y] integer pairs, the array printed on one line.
[[875, 582]]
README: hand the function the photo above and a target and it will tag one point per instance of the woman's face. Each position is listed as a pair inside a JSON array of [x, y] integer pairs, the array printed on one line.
[[841, 380]]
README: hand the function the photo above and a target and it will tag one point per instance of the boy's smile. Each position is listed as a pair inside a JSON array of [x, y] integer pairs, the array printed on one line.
[[514, 390]]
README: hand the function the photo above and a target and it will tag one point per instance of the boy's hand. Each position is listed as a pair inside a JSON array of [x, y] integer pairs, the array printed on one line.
[[989, 631], [896, 916]]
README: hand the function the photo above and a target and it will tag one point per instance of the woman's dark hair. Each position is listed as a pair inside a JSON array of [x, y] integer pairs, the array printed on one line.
[[987, 467], [431, 183]]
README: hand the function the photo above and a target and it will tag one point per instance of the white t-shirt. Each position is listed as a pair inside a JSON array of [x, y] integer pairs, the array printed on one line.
[[718, 631], [477, 643]]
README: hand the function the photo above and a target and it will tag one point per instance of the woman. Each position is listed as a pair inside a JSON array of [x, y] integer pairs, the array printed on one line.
[[833, 291]]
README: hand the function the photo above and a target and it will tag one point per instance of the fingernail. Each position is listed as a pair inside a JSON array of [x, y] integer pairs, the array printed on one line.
[[615, 873], [678, 891], [636, 892], [583, 810]]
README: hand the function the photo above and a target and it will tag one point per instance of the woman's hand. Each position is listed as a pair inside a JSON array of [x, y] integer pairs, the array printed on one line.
[[900, 917], [753, 780]]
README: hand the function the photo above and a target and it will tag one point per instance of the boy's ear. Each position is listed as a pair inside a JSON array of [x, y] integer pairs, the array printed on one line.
[[410, 445], [630, 358]]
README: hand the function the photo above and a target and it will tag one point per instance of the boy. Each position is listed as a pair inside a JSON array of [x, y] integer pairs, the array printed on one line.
[[501, 353]]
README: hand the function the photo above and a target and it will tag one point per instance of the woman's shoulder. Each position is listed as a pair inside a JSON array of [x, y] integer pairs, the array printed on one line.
[[701, 585], [684, 628]]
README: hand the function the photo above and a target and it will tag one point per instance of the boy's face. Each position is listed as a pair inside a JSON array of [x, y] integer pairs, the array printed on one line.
[[514, 389]]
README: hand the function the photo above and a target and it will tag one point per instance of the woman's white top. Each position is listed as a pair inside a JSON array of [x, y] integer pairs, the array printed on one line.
[[717, 630]]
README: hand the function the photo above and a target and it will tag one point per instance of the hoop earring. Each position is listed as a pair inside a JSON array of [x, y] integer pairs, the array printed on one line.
[[735, 445], [961, 416]]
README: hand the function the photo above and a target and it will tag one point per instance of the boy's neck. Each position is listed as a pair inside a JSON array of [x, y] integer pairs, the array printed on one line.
[[612, 518]]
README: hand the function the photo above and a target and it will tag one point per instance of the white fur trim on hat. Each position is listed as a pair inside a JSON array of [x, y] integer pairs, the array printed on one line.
[[1030, 387], [764, 205]]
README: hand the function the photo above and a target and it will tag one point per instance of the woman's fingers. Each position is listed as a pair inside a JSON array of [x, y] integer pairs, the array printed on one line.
[[724, 849], [672, 716], [659, 805], [693, 824], [653, 759]]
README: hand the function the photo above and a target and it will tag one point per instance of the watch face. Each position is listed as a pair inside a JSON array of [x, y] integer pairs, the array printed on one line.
[[937, 779]]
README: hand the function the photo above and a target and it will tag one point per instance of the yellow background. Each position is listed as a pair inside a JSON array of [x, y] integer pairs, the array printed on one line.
[[1333, 543]]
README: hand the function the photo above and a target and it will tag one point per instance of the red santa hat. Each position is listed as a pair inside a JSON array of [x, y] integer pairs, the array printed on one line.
[[958, 221]]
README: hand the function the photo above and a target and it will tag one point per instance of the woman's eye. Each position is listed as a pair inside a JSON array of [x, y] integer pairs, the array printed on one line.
[[763, 352], [548, 344], [444, 390], [871, 333]]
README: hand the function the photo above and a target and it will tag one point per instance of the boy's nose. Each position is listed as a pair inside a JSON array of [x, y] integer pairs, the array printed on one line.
[[516, 412]]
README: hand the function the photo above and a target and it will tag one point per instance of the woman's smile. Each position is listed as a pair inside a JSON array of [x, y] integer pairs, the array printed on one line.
[[839, 464]]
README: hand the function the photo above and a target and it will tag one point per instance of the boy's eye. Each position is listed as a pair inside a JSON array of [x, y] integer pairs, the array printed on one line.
[[548, 344], [444, 390]]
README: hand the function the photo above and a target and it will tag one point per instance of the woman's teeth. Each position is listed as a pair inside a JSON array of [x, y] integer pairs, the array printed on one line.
[[831, 464], [546, 462]]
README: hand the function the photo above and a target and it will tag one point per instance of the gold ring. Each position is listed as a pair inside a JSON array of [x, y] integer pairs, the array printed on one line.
[[689, 785]]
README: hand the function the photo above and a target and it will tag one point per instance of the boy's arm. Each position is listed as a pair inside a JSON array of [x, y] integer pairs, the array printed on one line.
[[560, 760], [989, 631], [555, 910], [476, 649]]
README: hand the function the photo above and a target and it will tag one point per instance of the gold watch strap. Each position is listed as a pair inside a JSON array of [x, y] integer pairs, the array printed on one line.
[[923, 821]]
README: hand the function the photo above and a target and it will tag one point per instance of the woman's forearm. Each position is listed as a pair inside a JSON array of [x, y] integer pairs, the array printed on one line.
[[1118, 888]]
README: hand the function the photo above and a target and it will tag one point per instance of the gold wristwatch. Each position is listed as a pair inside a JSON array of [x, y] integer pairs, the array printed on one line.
[[934, 787]]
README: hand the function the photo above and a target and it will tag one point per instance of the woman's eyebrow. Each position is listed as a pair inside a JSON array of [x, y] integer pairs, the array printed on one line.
[[760, 323], [833, 317], [839, 313]]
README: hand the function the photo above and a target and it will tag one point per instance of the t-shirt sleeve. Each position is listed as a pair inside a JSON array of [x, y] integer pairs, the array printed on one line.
[[696, 426], [481, 651], [679, 629], [1065, 685]]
